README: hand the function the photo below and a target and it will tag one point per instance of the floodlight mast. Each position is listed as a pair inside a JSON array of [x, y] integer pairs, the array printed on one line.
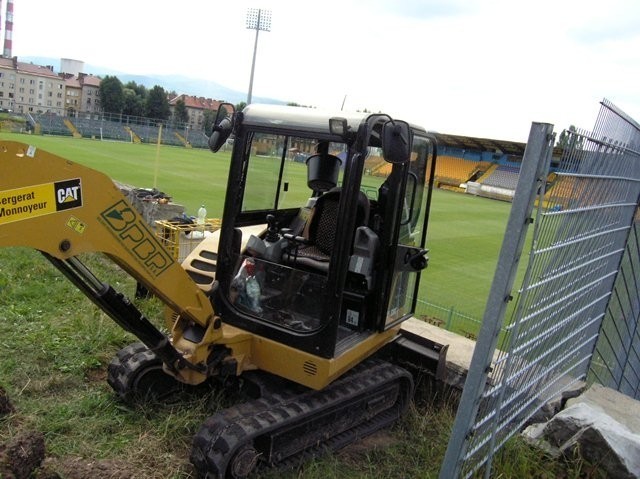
[[257, 19]]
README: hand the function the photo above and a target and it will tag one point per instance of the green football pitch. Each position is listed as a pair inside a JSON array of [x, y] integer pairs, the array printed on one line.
[[464, 236]]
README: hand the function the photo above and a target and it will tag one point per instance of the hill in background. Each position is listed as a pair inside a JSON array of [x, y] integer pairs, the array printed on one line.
[[178, 83]]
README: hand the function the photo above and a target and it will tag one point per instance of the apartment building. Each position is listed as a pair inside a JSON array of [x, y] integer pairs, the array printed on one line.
[[29, 88], [82, 94], [195, 106]]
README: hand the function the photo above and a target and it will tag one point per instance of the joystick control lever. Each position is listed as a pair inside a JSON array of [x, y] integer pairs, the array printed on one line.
[[272, 229]]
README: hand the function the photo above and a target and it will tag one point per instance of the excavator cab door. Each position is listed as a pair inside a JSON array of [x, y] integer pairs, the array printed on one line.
[[400, 221], [409, 257]]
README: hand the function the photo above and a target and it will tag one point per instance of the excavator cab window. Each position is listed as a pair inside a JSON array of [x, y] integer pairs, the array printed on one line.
[[276, 172], [411, 235], [285, 179]]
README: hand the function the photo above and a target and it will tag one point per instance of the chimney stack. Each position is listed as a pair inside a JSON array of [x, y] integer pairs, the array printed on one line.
[[8, 30]]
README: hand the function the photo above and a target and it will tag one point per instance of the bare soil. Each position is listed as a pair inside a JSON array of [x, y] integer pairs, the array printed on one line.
[[5, 405], [78, 468], [21, 456]]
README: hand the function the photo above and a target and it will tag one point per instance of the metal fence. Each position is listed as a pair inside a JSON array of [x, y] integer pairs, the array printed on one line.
[[616, 360], [579, 293], [449, 318]]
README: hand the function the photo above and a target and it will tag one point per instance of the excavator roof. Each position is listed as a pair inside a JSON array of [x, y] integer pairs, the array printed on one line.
[[298, 118]]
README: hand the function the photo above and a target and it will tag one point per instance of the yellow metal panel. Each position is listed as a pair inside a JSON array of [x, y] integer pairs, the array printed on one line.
[[310, 370]]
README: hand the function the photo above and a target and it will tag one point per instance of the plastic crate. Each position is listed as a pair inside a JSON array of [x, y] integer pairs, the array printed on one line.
[[180, 239]]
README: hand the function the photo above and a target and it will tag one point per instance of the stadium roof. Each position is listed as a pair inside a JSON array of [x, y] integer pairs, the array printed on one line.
[[482, 144]]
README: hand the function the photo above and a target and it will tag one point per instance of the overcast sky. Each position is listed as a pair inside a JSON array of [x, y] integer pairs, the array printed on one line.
[[471, 67]]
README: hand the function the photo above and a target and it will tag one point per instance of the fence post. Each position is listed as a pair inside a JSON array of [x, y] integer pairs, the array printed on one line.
[[449, 319]]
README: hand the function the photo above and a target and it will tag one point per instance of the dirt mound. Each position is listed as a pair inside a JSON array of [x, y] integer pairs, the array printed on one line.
[[5, 405], [21, 456]]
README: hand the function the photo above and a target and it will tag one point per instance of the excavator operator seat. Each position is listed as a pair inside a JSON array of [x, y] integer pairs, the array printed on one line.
[[320, 233]]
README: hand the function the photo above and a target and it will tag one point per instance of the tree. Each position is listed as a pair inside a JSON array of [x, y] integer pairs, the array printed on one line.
[[139, 89], [111, 94], [570, 139], [133, 103], [157, 105], [180, 113], [240, 106]]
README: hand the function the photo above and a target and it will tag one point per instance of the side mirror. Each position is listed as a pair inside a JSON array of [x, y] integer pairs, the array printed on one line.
[[220, 134], [396, 141], [223, 126]]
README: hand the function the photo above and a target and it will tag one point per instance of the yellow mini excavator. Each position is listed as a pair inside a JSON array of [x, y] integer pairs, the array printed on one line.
[[299, 297]]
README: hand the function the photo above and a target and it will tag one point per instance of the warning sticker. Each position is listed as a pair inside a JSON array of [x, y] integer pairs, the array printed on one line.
[[39, 200], [76, 225]]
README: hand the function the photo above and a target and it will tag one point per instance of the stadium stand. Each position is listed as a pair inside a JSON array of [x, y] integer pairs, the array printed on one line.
[[147, 133], [101, 129], [502, 177], [198, 139], [374, 163], [52, 124], [174, 137], [562, 190], [453, 171]]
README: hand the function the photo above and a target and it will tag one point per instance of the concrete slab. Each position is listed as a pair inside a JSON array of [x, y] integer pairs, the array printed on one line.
[[460, 349], [618, 406]]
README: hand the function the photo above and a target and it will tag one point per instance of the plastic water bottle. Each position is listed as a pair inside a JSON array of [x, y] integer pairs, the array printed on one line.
[[202, 215], [200, 222]]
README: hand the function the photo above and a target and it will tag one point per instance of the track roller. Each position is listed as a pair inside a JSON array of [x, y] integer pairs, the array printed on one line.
[[136, 374]]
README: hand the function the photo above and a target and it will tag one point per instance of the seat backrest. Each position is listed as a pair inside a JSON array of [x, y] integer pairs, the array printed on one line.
[[324, 219]]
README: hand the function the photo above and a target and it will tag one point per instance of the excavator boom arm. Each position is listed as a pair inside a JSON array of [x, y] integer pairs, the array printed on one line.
[[64, 209]]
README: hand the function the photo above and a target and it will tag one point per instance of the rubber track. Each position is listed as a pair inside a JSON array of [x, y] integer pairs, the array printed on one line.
[[127, 360], [256, 422]]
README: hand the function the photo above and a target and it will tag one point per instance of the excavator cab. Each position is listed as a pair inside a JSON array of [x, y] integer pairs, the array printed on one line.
[[324, 228]]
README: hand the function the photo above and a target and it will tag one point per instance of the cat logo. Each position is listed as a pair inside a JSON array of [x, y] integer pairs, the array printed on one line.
[[68, 194]]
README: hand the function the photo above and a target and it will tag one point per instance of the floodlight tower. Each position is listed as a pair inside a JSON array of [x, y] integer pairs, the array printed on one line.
[[257, 19]]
